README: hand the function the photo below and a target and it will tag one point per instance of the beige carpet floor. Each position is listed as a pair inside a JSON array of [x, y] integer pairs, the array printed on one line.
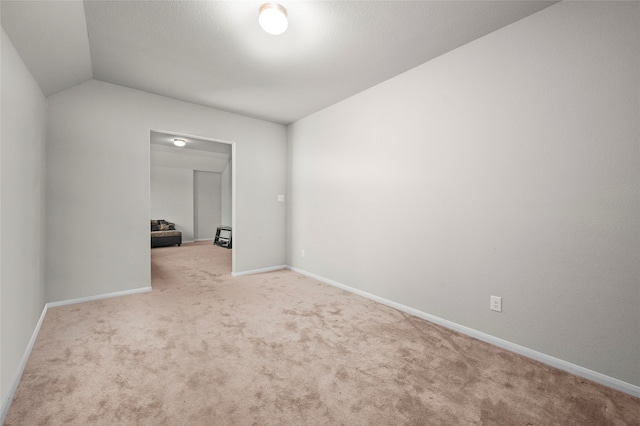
[[279, 348]]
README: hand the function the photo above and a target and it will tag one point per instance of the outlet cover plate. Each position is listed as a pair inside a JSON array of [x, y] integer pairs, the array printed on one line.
[[496, 303]]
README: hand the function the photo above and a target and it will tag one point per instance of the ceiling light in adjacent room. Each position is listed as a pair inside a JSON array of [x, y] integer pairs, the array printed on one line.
[[273, 18], [179, 142]]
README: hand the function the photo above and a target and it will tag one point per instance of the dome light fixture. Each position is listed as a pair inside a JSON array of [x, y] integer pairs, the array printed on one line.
[[273, 18], [179, 142]]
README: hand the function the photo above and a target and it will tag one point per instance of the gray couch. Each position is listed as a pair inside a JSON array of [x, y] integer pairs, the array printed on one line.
[[164, 234]]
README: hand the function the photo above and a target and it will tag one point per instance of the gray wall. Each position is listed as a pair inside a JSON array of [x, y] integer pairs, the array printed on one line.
[[507, 167], [189, 198], [172, 198], [201, 189], [198, 185], [22, 211], [187, 158], [226, 199], [207, 204], [98, 168]]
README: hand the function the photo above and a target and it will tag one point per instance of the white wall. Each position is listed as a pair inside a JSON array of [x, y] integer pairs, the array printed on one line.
[[172, 198], [189, 198], [225, 196], [202, 190], [507, 167], [22, 210], [207, 204], [98, 176], [188, 158]]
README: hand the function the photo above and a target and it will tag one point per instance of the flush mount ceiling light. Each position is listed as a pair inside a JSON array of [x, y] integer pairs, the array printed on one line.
[[273, 18], [179, 142]]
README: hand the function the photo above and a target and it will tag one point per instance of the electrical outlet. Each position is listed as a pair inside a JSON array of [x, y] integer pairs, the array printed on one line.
[[496, 303], [301, 253]]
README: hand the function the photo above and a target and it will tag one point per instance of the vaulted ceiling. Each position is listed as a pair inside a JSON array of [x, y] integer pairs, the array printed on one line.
[[213, 53]]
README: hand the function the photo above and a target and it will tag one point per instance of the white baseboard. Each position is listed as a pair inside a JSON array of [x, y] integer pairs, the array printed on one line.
[[521, 350], [99, 296], [259, 271], [23, 363], [6, 403]]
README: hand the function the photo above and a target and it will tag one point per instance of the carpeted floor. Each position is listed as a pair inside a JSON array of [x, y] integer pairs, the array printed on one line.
[[279, 348]]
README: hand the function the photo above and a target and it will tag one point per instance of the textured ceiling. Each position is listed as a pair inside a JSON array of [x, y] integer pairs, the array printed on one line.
[[214, 53], [51, 37]]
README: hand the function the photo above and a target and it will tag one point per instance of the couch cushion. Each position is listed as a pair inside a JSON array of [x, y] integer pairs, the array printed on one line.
[[169, 233], [161, 225]]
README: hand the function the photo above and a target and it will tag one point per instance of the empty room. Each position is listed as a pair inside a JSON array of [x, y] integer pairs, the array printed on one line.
[[320, 212]]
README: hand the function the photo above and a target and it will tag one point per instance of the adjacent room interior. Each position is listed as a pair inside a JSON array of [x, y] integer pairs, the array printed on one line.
[[190, 185], [473, 165]]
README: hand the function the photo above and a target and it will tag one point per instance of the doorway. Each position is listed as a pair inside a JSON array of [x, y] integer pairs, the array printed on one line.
[[191, 185]]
